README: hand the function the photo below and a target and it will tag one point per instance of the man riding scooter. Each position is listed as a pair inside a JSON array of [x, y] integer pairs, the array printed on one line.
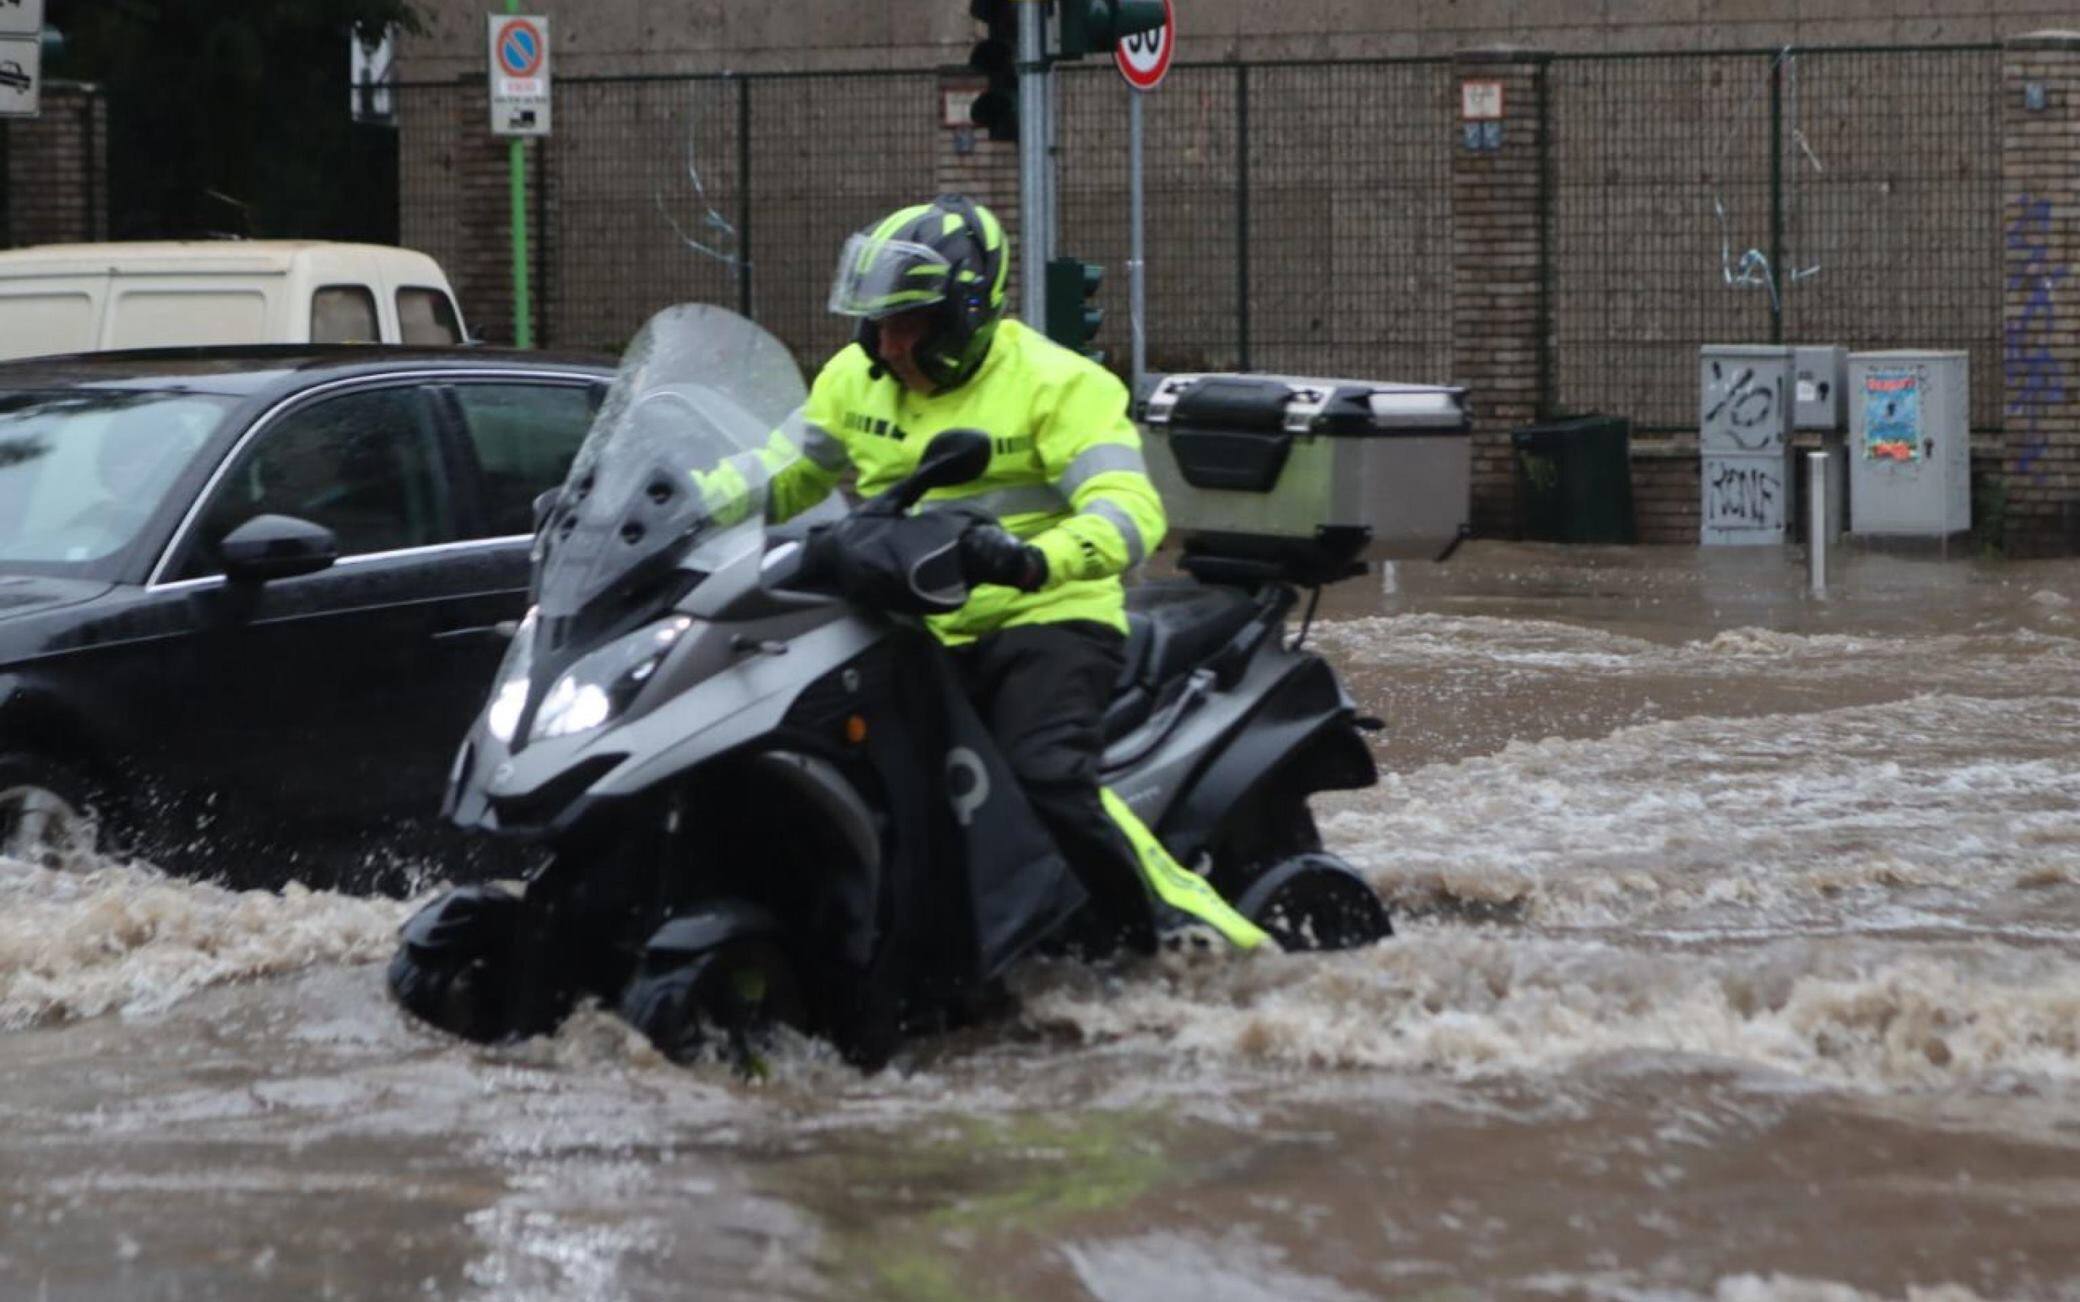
[[1040, 641]]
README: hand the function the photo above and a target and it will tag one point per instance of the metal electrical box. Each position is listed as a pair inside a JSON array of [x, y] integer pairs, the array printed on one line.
[[1744, 442], [1275, 457], [1820, 397], [1910, 451], [1820, 401]]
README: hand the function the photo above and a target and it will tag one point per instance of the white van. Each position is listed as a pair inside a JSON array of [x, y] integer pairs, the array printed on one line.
[[71, 298]]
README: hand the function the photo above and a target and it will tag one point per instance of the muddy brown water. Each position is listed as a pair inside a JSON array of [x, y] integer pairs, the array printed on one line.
[[1740, 960]]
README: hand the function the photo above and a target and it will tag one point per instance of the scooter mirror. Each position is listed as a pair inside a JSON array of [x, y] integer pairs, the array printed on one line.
[[954, 456]]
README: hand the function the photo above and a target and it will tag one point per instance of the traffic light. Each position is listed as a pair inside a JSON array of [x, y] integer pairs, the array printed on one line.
[[1072, 318], [996, 57], [1095, 26]]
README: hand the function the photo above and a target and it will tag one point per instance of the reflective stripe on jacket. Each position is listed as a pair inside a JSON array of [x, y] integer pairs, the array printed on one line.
[[1066, 475]]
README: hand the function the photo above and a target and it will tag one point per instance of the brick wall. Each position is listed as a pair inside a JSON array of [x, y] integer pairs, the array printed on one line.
[[57, 169], [455, 182], [1498, 304], [2040, 315], [1667, 505], [614, 37]]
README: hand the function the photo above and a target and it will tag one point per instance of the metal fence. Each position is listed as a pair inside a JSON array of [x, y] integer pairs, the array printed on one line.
[[1300, 215], [1826, 196], [658, 190]]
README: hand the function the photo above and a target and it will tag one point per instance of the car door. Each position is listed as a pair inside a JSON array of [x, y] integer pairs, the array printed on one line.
[[339, 694]]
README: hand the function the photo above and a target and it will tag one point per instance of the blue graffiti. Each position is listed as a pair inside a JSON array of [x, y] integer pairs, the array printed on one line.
[[2036, 380]]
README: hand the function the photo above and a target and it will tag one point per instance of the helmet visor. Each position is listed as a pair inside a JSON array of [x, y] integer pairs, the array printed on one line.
[[878, 278]]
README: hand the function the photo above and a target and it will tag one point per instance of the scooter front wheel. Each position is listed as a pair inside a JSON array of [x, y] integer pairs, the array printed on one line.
[[1316, 901], [454, 962], [721, 1000]]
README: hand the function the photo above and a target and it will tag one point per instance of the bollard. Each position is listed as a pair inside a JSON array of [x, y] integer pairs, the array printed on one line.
[[1816, 522]]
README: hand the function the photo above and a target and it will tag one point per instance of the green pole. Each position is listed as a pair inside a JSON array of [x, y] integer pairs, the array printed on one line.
[[1777, 281], [516, 157]]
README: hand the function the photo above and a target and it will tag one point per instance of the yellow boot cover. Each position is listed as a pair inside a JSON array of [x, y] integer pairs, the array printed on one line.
[[1176, 885]]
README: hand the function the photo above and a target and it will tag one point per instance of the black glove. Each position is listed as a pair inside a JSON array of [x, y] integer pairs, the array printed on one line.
[[991, 555]]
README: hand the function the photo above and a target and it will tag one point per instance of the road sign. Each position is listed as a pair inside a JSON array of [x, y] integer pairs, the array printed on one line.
[[21, 17], [372, 78], [519, 63], [21, 71], [1144, 58]]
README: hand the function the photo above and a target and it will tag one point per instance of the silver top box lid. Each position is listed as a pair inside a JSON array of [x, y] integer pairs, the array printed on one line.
[[1310, 405]]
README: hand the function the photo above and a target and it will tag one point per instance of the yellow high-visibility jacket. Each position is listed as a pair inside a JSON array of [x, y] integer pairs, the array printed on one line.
[[1067, 473]]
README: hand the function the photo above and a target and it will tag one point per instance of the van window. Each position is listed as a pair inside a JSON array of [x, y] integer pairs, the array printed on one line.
[[344, 314], [425, 316], [181, 317], [34, 324], [525, 436]]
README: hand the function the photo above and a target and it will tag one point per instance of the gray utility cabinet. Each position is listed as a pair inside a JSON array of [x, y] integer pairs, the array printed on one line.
[[1744, 410], [1278, 458], [1910, 453], [1819, 391], [1820, 401]]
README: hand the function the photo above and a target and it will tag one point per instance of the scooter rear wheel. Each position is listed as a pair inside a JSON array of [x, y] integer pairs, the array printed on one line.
[[726, 999], [1316, 901]]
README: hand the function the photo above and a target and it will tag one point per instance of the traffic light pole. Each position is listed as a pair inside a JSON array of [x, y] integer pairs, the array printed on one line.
[[1137, 286], [1035, 191]]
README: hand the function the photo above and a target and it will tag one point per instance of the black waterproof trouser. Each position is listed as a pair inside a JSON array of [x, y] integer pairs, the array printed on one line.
[[1042, 690]]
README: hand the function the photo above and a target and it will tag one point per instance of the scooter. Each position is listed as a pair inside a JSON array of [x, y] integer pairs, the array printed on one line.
[[763, 797]]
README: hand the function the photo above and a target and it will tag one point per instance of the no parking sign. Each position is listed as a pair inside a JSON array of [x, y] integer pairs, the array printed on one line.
[[519, 61]]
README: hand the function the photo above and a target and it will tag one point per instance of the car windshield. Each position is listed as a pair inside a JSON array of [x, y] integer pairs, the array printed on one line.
[[677, 461], [83, 470]]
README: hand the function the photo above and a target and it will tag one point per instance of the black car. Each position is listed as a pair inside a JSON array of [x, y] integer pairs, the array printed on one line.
[[251, 598]]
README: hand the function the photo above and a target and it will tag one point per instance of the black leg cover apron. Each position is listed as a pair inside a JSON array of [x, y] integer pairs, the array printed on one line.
[[1042, 690]]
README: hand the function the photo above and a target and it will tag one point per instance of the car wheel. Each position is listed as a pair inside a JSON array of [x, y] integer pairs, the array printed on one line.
[[48, 812]]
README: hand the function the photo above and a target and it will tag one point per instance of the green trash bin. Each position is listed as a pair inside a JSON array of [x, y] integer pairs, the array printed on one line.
[[1574, 480]]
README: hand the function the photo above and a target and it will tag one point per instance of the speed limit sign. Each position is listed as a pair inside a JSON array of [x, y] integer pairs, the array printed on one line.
[[1144, 57]]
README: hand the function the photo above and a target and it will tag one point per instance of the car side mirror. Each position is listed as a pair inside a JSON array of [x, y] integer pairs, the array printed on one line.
[[954, 456], [276, 547], [545, 506]]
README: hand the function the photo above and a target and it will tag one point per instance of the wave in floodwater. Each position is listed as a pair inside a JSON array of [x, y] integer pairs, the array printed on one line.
[[1235, 1267], [1471, 1005], [1932, 811], [2020, 657], [98, 936]]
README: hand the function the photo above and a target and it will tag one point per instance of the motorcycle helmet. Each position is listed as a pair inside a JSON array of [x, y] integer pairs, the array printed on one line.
[[950, 256]]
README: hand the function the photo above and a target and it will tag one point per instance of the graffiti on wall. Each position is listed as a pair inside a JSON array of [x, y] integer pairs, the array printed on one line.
[[1740, 409], [1753, 269], [1744, 493], [2035, 378], [718, 238]]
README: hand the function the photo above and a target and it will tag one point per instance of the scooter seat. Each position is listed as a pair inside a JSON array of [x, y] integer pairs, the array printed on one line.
[[1172, 628]]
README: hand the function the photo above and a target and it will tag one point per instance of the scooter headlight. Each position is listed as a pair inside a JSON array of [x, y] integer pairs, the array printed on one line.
[[502, 718], [602, 684]]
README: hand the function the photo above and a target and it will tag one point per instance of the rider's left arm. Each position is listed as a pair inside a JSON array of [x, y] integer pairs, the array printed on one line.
[[1092, 453], [799, 465]]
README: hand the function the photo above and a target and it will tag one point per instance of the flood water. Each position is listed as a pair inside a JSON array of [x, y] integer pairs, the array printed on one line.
[[1739, 960]]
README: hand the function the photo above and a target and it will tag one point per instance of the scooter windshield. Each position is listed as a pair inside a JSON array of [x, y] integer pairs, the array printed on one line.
[[677, 461]]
